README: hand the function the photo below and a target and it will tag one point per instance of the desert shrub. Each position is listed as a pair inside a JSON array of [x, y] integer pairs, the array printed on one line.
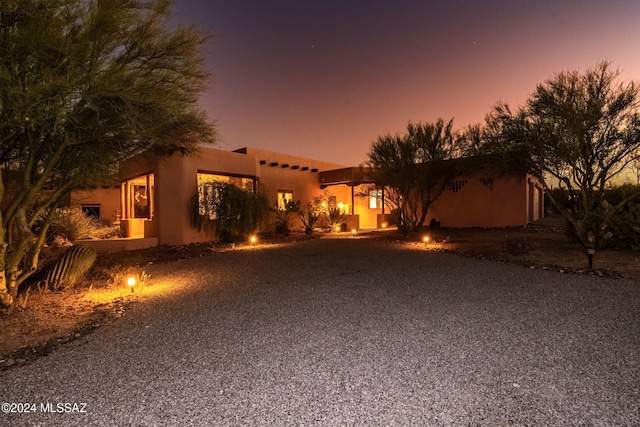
[[397, 219], [284, 214], [617, 194], [71, 224], [613, 196], [619, 233], [230, 212], [624, 228], [517, 246], [105, 231]]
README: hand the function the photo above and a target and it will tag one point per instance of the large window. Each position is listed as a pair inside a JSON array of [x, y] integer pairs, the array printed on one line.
[[207, 194], [375, 199], [137, 197], [239, 181]]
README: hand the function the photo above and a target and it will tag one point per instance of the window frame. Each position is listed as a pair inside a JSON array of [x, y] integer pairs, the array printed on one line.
[[375, 198]]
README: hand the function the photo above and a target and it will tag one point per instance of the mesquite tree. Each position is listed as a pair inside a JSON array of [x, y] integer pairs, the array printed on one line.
[[414, 167], [85, 84], [577, 131]]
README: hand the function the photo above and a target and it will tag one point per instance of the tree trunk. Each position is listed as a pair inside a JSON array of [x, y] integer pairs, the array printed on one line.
[[6, 298]]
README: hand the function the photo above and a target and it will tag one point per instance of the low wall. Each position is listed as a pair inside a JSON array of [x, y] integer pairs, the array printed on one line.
[[353, 222], [117, 245], [133, 227], [382, 220]]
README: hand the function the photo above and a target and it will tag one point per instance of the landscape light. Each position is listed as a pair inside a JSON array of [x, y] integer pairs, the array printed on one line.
[[340, 205], [425, 239], [131, 282], [253, 240], [353, 231], [384, 225]]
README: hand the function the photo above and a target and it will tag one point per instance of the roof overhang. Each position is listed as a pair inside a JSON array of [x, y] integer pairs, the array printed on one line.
[[346, 176]]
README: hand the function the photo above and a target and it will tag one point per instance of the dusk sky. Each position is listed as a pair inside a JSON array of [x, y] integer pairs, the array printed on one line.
[[323, 79]]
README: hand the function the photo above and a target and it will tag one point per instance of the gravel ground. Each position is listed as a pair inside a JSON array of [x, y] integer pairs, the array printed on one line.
[[351, 332]]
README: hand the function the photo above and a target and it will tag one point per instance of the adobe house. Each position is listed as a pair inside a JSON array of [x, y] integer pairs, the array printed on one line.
[[481, 201], [155, 191], [151, 204], [489, 193], [477, 198]]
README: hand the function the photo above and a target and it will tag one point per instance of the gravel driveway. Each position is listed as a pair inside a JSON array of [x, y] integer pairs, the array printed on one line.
[[350, 332]]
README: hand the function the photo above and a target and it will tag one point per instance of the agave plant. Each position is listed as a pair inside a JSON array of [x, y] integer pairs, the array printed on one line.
[[336, 217], [309, 217]]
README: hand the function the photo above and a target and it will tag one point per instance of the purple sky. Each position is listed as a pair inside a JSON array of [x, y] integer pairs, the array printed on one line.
[[323, 78]]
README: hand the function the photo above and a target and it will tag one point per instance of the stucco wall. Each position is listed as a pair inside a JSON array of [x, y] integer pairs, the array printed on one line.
[[368, 216], [478, 205], [107, 198]]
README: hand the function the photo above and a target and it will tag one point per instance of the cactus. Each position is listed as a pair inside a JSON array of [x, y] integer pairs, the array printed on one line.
[[71, 266]]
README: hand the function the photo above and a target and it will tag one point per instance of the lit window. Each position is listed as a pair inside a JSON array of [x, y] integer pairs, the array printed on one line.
[[138, 197], [207, 193], [375, 199], [284, 197], [239, 181]]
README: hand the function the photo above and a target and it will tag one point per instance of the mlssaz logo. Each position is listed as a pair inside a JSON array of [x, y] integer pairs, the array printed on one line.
[[79, 408]]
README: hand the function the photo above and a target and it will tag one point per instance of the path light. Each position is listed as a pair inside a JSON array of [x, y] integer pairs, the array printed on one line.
[[340, 205], [131, 282], [254, 240], [425, 239], [384, 225], [337, 228]]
